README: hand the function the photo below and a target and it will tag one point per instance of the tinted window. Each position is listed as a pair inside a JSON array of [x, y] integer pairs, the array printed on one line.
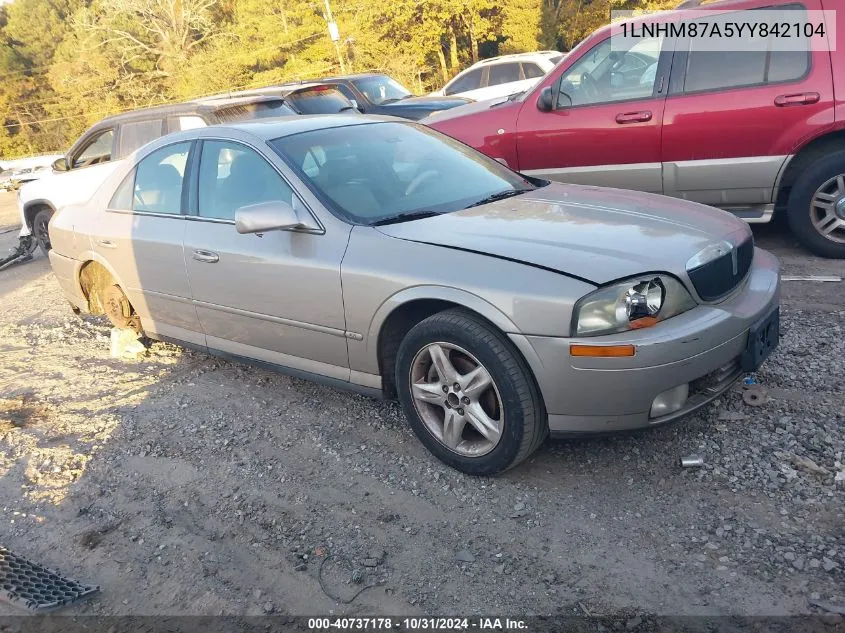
[[256, 110], [374, 171], [463, 83], [502, 74], [319, 100], [234, 176], [714, 70], [531, 71], [555, 59], [158, 181], [97, 150], [137, 134], [605, 74]]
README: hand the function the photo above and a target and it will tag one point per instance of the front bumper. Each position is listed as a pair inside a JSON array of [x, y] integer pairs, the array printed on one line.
[[700, 348]]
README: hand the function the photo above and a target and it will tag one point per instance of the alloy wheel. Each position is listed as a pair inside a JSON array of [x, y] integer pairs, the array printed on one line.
[[827, 209], [457, 399]]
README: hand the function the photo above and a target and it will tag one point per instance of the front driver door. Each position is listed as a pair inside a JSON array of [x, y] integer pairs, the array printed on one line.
[[274, 296], [604, 128]]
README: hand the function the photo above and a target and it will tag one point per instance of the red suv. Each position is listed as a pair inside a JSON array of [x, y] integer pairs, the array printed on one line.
[[754, 132]]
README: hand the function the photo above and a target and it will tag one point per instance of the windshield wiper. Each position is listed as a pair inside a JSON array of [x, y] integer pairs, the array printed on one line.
[[405, 217], [501, 195], [394, 99]]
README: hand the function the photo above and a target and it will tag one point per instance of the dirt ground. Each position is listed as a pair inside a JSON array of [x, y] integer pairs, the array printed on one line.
[[185, 484]]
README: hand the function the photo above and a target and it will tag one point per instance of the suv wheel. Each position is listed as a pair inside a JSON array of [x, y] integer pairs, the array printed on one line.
[[468, 394], [816, 209], [39, 229]]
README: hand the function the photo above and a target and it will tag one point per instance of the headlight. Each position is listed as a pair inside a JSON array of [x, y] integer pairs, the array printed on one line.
[[629, 305]]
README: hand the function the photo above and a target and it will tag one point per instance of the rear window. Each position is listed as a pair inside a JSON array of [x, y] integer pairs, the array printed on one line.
[[257, 110], [319, 100]]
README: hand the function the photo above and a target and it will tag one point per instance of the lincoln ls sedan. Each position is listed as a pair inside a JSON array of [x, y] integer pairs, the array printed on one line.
[[382, 256]]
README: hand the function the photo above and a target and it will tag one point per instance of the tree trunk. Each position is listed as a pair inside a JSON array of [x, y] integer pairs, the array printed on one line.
[[442, 59], [453, 49]]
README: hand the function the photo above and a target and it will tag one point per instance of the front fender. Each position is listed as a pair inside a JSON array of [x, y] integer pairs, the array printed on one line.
[[442, 293]]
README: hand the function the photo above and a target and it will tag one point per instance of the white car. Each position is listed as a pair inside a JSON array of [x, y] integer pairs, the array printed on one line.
[[501, 76]]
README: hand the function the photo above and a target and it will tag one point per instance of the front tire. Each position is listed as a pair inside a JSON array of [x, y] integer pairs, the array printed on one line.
[[468, 394], [816, 208], [39, 230]]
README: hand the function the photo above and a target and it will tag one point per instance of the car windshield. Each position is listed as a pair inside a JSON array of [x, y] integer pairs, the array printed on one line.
[[381, 89], [379, 171]]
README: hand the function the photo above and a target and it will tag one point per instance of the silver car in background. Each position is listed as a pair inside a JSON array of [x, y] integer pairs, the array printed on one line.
[[382, 256]]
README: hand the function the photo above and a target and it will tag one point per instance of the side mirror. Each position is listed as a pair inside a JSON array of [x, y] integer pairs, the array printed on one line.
[[267, 216], [60, 164], [355, 105], [545, 103]]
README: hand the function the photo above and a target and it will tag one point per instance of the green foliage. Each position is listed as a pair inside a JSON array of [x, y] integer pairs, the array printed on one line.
[[64, 64]]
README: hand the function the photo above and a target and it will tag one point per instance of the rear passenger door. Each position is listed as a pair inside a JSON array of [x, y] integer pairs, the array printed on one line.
[[140, 236], [733, 117]]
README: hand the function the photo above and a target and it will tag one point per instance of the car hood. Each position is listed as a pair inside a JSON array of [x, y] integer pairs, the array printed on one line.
[[428, 103], [467, 109], [592, 233]]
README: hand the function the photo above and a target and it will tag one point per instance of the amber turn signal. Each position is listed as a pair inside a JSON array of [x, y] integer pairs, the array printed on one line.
[[602, 351]]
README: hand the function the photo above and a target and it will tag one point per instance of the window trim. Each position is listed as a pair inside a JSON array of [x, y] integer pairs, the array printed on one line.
[[662, 78], [86, 143], [193, 210], [677, 81]]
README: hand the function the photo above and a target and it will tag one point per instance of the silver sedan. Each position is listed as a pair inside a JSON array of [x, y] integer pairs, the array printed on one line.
[[384, 257]]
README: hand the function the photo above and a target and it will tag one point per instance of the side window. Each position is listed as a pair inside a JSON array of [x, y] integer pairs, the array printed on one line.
[[755, 65], [97, 150], [464, 83], [531, 71], [158, 180], [137, 134], [123, 196], [232, 176], [502, 74], [606, 75]]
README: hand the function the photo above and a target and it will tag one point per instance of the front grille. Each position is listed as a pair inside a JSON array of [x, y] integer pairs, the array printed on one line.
[[717, 278]]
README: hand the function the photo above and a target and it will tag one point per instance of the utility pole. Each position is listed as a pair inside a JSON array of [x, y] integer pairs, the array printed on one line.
[[334, 34]]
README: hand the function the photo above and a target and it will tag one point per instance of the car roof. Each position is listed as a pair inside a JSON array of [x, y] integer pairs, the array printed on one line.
[[354, 76], [269, 129], [516, 57], [196, 106]]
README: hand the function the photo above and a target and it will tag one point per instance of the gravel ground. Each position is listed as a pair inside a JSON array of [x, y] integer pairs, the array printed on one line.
[[184, 484]]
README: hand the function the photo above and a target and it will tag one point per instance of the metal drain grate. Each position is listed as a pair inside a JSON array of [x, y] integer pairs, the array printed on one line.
[[36, 587]]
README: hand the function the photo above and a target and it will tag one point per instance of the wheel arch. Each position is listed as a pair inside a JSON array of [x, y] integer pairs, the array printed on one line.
[[396, 316], [32, 207], [95, 274], [806, 155]]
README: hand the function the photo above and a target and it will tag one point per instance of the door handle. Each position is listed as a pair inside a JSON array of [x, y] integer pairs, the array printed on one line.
[[206, 257], [633, 117], [800, 98], [106, 243]]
